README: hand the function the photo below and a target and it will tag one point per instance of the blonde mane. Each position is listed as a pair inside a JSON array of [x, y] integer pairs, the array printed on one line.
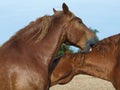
[[39, 28], [42, 28], [34, 32]]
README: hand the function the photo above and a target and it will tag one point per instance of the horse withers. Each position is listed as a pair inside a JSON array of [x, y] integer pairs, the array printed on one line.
[[25, 59], [103, 62]]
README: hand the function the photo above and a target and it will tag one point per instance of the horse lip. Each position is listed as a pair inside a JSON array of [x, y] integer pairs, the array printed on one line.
[[89, 46], [90, 50], [91, 43], [86, 49]]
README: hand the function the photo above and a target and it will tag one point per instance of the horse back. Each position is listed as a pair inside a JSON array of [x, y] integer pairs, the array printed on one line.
[[19, 72]]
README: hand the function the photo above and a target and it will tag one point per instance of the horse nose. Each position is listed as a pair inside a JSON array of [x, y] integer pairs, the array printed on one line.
[[92, 41]]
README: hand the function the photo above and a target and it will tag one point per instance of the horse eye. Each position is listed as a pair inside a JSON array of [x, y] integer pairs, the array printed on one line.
[[80, 21]]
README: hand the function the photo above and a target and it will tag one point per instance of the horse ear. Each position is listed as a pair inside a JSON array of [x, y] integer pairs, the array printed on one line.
[[54, 10], [66, 9]]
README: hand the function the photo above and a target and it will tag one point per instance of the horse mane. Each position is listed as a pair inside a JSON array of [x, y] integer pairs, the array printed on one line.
[[110, 40], [107, 43], [35, 31]]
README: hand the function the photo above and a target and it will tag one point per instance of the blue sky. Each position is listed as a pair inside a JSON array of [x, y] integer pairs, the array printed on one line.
[[103, 15]]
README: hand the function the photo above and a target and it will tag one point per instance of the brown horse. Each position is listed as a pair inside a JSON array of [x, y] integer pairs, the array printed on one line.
[[103, 62], [25, 58]]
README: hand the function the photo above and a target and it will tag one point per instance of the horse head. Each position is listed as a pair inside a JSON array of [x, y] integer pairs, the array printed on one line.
[[99, 63], [75, 31], [60, 75]]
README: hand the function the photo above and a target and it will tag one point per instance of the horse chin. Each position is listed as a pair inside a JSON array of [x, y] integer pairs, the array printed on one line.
[[87, 49]]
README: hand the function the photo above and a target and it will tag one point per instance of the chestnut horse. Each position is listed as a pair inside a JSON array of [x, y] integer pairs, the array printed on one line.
[[25, 59], [103, 62]]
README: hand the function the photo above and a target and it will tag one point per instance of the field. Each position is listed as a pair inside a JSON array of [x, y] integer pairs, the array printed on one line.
[[84, 82]]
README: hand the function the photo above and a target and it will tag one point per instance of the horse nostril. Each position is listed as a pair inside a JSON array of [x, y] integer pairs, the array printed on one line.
[[91, 45]]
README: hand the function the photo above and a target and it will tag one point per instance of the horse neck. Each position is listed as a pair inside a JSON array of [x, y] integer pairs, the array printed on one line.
[[48, 47], [97, 65], [102, 60], [43, 50]]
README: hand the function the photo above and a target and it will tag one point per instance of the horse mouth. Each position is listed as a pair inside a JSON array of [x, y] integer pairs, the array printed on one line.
[[90, 50], [90, 44], [89, 47], [85, 50]]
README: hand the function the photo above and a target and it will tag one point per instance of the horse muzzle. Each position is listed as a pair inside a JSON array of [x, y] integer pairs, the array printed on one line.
[[89, 44]]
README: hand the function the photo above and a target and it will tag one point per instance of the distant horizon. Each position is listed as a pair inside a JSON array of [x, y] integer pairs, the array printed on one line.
[[101, 15]]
